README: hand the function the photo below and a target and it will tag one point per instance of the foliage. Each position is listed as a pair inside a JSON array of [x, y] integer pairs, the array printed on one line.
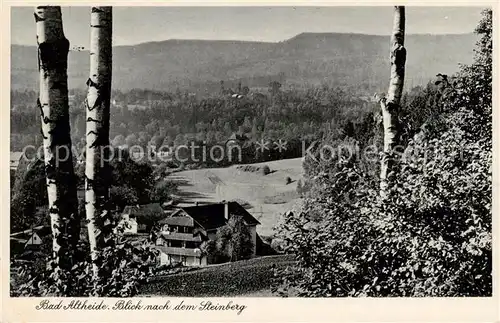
[[292, 116], [432, 236], [232, 243], [122, 269], [163, 190], [136, 175], [122, 196], [29, 193], [131, 183]]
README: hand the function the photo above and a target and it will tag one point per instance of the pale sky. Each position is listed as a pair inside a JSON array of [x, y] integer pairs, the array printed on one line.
[[133, 25]]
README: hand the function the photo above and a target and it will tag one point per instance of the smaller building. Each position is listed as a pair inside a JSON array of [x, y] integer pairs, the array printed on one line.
[[30, 239]]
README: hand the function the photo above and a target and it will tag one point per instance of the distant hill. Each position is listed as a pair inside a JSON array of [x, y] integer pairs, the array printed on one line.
[[354, 60]]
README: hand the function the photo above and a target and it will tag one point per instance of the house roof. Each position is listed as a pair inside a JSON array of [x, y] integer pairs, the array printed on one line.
[[211, 216], [18, 240], [15, 157], [178, 220], [179, 251], [22, 237], [144, 210]]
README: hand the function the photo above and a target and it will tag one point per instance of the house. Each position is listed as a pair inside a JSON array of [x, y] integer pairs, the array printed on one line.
[[183, 232], [28, 239], [141, 218]]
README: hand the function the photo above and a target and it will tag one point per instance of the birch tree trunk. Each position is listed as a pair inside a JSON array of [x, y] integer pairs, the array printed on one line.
[[390, 104], [97, 172], [53, 48]]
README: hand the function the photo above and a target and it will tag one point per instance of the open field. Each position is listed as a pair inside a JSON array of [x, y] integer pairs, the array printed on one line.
[[242, 278], [268, 196]]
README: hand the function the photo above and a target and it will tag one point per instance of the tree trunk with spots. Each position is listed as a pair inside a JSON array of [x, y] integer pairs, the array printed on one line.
[[390, 104], [97, 172], [53, 48]]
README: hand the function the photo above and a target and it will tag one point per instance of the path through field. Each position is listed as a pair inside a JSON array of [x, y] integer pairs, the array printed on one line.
[[266, 197]]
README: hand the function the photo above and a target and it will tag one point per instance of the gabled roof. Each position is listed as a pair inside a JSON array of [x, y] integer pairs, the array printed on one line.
[[178, 219], [16, 155], [144, 210], [211, 216], [23, 237], [15, 158]]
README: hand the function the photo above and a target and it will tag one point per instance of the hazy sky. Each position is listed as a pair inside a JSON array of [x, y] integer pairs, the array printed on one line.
[[134, 25]]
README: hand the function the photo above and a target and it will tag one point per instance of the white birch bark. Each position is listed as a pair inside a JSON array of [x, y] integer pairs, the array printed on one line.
[[53, 50], [97, 171], [390, 104]]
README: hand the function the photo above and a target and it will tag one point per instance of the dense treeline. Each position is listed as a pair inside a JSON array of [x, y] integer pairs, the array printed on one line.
[[148, 118]]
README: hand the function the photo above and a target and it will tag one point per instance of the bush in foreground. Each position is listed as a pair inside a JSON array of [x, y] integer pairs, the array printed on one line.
[[432, 236]]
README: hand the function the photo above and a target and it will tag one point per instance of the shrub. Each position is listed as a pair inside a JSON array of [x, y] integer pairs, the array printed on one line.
[[233, 242], [432, 235], [422, 242], [265, 170], [288, 180], [122, 269]]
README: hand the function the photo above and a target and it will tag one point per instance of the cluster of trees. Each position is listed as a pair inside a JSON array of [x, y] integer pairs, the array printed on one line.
[[291, 116], [131, 183], [232, 243], [427, 230]]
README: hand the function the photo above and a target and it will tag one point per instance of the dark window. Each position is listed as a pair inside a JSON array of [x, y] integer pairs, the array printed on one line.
[[176, 244]]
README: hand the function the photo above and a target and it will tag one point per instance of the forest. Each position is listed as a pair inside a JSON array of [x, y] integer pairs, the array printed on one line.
[[173, 119]]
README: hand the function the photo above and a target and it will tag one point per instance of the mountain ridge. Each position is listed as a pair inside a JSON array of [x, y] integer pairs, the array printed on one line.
[[342, 59], [302, 34]]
